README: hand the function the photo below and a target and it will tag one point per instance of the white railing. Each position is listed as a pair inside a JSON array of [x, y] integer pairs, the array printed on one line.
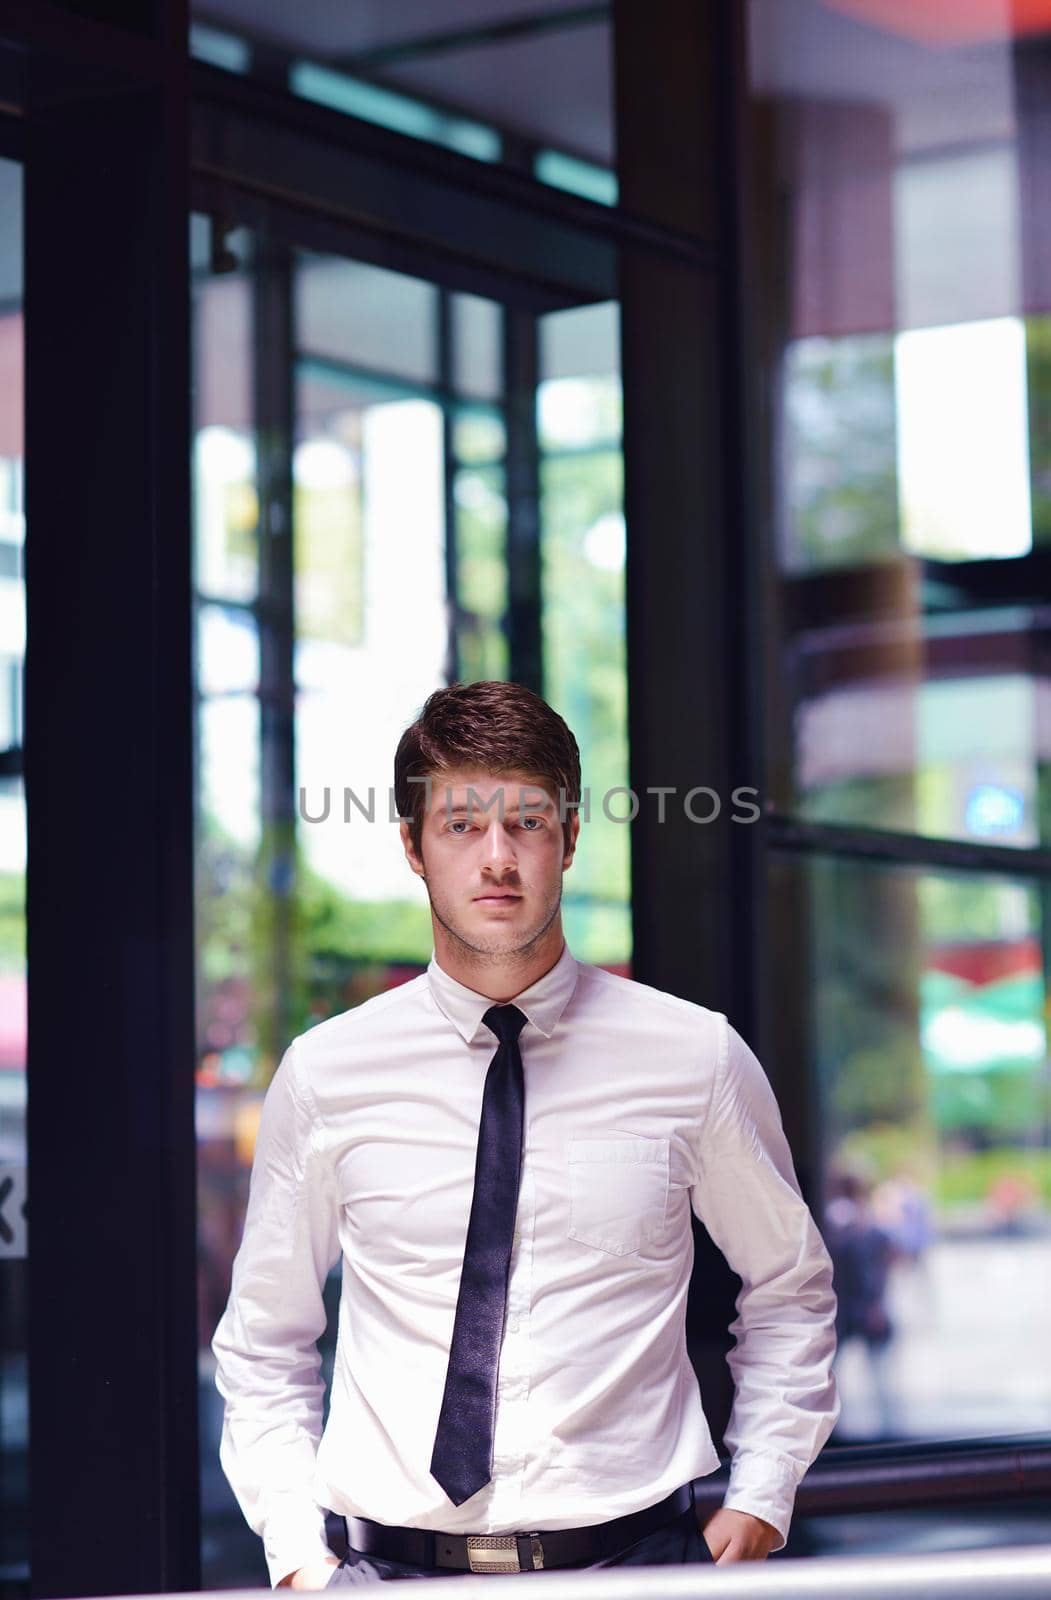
[[1018, 1572]]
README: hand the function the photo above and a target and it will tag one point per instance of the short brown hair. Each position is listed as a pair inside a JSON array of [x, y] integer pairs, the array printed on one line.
[[493, 727]]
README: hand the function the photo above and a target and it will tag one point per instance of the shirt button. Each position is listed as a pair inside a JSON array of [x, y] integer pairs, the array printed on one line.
[[513, 1325]]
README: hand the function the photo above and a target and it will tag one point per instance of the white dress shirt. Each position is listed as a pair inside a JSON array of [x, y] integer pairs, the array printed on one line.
[[637, 1106]]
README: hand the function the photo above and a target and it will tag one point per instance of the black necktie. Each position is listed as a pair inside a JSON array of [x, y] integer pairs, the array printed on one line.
[[462, 1460]]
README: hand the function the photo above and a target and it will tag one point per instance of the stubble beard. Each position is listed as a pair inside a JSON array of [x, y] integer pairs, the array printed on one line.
[[502, 945]]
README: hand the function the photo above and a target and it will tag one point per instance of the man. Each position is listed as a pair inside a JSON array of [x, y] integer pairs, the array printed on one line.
[[504, 1153]]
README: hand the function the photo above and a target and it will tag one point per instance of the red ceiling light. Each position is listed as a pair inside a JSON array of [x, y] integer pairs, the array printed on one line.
[[951, 22]]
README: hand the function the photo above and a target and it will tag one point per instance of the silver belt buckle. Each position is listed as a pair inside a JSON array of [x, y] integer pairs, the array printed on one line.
[[492, 1552], [498, 1552]]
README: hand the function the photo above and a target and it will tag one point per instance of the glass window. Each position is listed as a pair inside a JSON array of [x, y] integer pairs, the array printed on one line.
[[385, 576], [900, 309], [582, 543], [14, 1242], [225, 487], [327, 516], [532, 88], [477, 439], [394, 568], [477, 346], [398, 568], [232, 987], [918, 1001], [900, 436], [480, 512], [368, 318], [234, 938], [361, 675], [956, 753]]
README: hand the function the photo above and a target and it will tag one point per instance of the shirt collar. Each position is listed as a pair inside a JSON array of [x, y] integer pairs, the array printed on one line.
[[543, 1002]]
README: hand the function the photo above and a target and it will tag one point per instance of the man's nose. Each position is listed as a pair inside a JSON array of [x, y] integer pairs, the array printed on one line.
[[499, 847]]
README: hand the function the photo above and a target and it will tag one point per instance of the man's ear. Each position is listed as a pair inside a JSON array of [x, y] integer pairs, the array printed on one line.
[[411, 857], [574, 830]]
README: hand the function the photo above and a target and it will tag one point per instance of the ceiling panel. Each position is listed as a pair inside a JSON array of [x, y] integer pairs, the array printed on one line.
[[325, 30], [538, 68], [554, 89]]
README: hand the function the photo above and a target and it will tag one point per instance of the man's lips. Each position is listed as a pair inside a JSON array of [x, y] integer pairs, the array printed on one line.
[[496, 896]]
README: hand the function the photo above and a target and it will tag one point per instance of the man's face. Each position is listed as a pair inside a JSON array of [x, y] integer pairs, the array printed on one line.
[[492, 856]]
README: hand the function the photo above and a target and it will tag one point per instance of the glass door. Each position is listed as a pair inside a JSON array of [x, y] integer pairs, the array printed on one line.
[[398, 483]]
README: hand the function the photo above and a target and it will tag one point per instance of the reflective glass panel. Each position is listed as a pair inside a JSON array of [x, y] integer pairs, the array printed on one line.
[[582, 542], [918, 1001], [312, 661], [234, 940], [364, 665], [225, 488], [480, 508], [477, 346], [901, 299], [367, 318]]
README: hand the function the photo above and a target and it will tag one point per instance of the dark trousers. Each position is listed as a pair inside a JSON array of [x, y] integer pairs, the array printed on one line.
[[679, 1541]]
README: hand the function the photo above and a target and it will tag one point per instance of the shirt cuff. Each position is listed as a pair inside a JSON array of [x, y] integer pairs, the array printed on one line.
[[294, 1541], [765, 1486]]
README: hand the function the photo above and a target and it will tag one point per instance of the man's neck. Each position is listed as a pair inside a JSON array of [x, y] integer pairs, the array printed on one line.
[[499, 978]]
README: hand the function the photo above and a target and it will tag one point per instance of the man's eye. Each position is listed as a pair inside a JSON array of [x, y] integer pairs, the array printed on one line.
[[538, 824], [460, 824]]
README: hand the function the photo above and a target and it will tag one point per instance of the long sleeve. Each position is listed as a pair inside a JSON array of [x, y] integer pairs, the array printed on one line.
[[748, 1198], [268, 1364]]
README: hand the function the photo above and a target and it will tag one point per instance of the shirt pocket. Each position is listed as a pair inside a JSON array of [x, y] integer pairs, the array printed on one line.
[[618, 1192]]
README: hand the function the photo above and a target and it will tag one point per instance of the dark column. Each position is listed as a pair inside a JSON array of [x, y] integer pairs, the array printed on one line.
[[108, 757], [691, 652], [444, 342], [521, 375], [692, 644]]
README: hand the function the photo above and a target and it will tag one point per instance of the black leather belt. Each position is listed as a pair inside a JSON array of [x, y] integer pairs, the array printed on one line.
[[515, 1552]]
